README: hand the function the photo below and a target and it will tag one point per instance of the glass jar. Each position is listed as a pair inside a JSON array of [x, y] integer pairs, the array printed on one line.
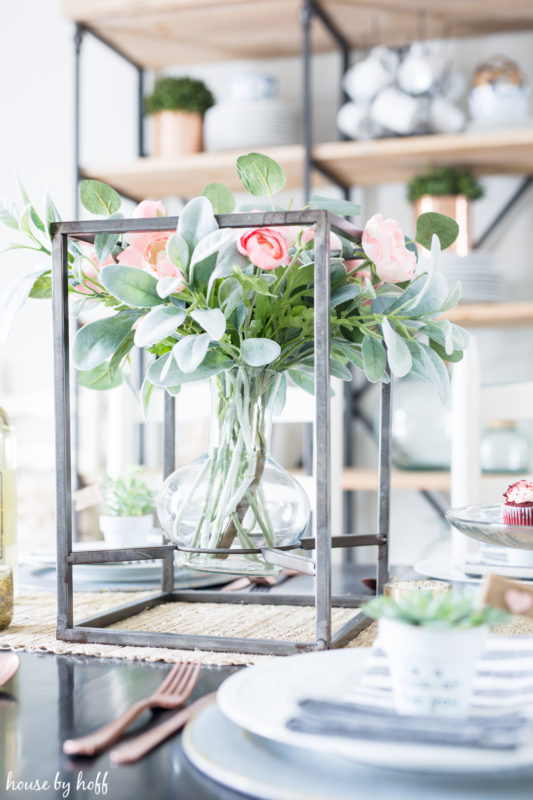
[[235, 497], [504, 449], [8, 546]]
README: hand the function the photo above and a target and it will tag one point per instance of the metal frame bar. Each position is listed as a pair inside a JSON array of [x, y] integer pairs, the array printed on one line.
[[94, 629]]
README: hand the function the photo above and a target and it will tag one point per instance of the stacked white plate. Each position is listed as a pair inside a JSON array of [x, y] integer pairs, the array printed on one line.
[[243, 742], [480, 282], [252, 124]]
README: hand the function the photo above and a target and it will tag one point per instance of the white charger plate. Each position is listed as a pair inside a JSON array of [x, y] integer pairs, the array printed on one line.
[[261, 699], [264, 769]]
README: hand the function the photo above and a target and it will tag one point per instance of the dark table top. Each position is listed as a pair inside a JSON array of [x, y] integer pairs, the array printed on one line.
[[53, 698]]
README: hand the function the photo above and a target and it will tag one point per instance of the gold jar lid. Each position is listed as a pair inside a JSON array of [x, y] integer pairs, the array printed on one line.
[[399, 590]]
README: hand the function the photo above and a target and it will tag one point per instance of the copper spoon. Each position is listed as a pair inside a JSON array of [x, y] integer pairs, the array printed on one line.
[[9, 664]]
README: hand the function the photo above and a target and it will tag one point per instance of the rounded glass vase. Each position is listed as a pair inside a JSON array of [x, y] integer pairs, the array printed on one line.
[[235, 497]]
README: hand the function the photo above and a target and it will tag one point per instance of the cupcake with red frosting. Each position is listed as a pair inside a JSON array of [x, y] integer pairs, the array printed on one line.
[[518, 506]]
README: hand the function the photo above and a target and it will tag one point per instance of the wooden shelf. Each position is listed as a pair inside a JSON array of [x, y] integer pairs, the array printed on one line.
[[161, 33], [366, 479], [356, 163], [492, 315]]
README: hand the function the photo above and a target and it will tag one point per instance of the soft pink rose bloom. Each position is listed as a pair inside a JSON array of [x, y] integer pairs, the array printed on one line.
[[308, 234], [131, 257], [384, 244], [145, 210], [265, 247]]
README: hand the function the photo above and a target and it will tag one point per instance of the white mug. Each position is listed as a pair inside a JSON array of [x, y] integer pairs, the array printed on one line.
[[396, 111], [365, 79]]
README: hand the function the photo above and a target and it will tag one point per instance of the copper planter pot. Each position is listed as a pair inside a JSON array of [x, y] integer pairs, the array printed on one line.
[[455, 206], [177, 133]]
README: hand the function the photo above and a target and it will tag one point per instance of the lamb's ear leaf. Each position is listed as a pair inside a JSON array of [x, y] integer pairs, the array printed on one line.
[[99, 198]]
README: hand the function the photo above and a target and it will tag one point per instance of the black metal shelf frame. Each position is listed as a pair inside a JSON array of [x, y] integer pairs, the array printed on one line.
[[95, 629]]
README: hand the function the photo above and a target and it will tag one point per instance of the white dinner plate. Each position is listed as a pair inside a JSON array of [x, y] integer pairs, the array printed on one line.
[[272, 771], [440, 568], [261, 699]]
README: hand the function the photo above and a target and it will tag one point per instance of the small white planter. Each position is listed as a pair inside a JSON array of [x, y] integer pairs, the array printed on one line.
[[126, 531], [432, 670]]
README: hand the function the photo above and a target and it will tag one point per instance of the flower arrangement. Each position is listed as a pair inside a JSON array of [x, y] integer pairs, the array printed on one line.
[[421, 608], [179, 94], [238, 306]]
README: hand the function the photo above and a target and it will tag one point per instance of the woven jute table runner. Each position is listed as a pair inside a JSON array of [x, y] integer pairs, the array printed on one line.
[[34, 625]]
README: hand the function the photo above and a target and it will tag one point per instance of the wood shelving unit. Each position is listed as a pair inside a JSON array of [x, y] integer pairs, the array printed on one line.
[[156, 33], [358, 163]]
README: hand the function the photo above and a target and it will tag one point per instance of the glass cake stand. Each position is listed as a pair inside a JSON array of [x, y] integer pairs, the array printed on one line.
[[485, 524]]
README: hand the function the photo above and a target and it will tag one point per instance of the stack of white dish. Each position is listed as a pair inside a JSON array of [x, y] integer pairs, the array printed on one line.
[[252, 117], [479, 281], [260, 123]]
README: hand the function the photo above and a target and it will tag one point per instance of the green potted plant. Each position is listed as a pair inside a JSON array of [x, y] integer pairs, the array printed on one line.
[[127, 517], [450, 191], [177, 106], [433, 644]]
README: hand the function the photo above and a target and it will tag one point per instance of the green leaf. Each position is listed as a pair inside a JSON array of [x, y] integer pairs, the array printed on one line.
[[8, 214], [161, 373], [454, 357], [398, 353], [212, 321], [178, 252], [303, 379], [453, 298], [230, 294], [344, 208], [238, 316], [146, 395], [345, 293], [220, 198], [97, 341], [201, 275], [190, 351], [101, 377], [13, 297], [51, 214], [258, 352], [99, 198], [431, 223], [428, 366], [349, 351], [25, 225], [252, 282], [42, 288], [196, 221], [374, 358], [104, 244], [159, 323], [169, 285], [130, 285], [260, 175], [210, 244], [337, 368]]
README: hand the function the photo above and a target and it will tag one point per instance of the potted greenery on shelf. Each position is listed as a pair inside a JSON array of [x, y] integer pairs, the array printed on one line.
[[128, 505], [450, 191], [433, 644], [177, 106]]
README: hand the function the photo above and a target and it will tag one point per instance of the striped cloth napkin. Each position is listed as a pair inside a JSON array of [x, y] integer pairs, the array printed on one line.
[[503, 688]]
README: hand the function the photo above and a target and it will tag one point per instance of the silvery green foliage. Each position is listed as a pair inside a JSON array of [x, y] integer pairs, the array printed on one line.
[[219, 310], [449, 610]]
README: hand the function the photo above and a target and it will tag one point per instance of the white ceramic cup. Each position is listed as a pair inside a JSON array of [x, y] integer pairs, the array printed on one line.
[[396, 111], [446, 117], [432, 670], [366, 78]]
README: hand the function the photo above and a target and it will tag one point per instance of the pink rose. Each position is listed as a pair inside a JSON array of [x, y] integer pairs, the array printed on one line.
[[145, 210], [91, 269], [265, 247], [308, 234], [152, 257], [352, 265], [384, 244]]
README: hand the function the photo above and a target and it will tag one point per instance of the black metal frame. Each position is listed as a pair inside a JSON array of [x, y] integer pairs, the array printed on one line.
[[94, 629]]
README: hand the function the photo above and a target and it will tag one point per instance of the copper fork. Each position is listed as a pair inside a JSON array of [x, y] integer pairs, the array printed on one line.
[[172, 693]]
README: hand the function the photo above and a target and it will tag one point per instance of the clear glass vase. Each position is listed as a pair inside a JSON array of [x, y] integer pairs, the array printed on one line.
[[235, 497]]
